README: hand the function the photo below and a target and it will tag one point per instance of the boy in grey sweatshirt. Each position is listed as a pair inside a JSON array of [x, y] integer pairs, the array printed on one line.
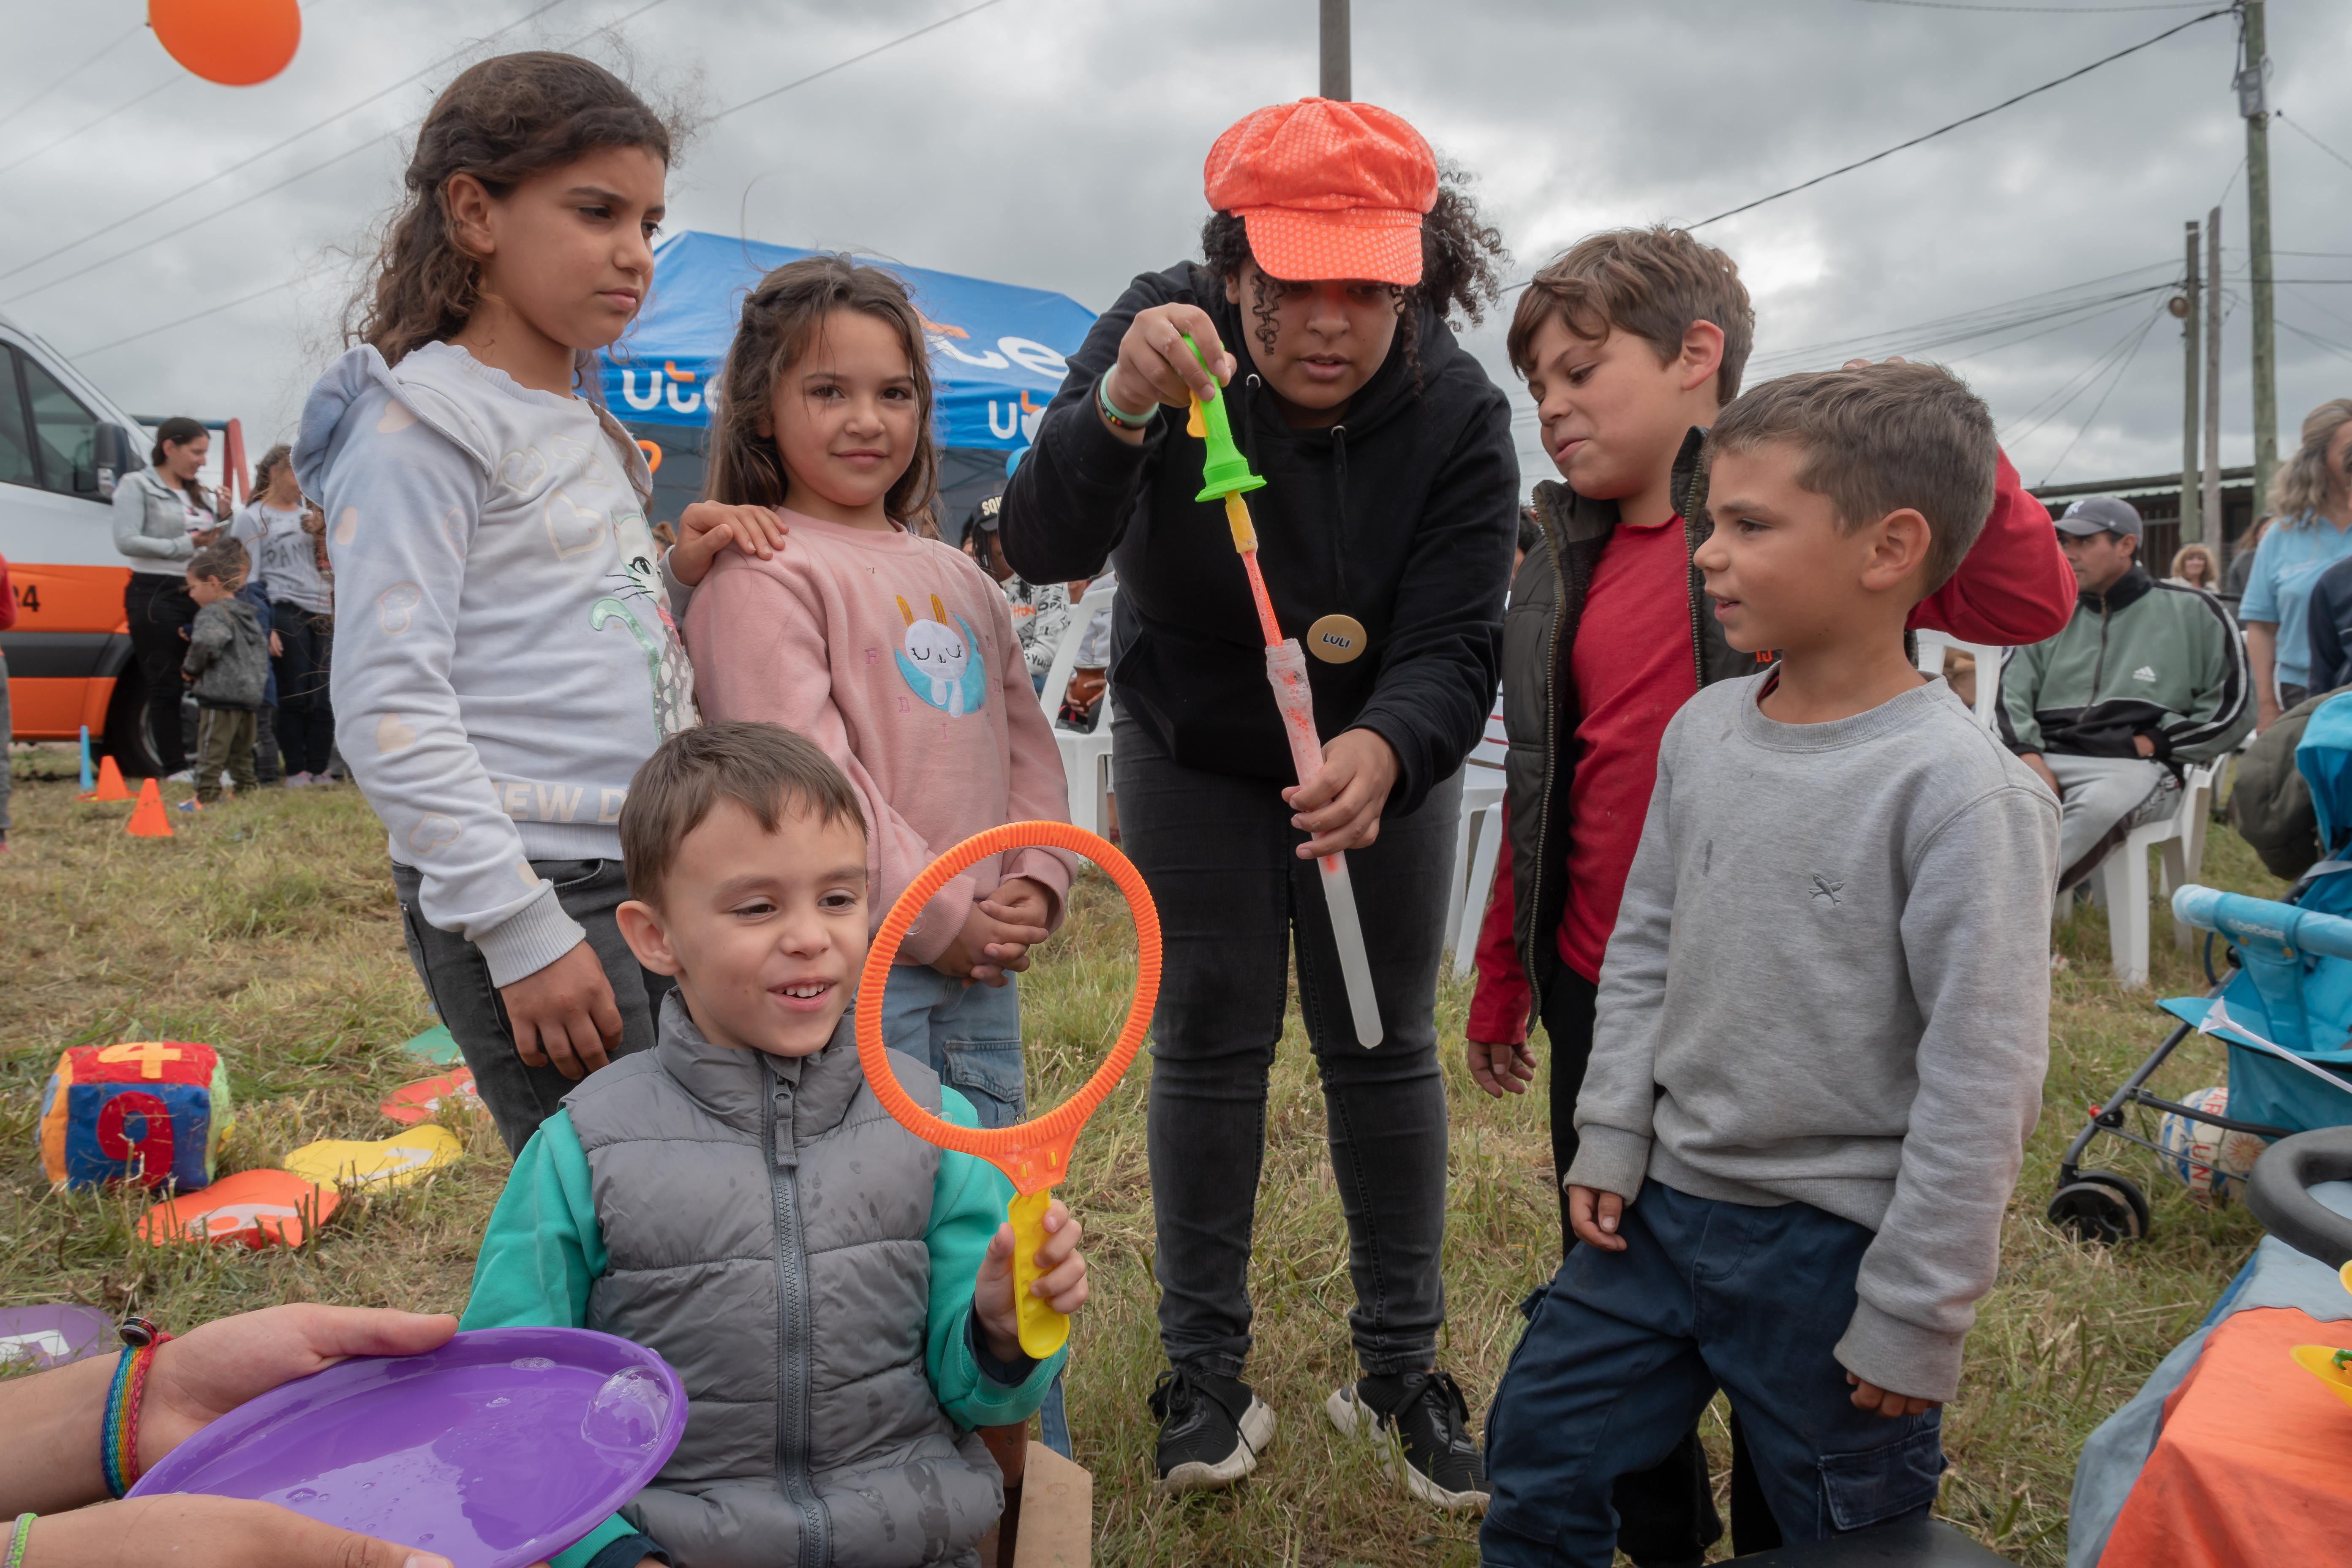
[[1823, 1014]]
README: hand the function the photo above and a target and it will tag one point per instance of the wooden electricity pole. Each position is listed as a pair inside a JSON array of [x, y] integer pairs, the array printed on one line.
[[2212, 506], [1336, 83], [2192, 523], [2253, 102]]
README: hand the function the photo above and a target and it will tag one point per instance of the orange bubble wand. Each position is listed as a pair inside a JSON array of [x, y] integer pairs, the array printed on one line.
[[1035, 1154]]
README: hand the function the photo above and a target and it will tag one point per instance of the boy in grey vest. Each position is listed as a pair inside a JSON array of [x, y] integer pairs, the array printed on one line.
[[228, 668], [835, 1294], [1824, 1012]]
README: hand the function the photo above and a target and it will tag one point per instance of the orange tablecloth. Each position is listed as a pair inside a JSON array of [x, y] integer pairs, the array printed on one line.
[[2254, 1465]]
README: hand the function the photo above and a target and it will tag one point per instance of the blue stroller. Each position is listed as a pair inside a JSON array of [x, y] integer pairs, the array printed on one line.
[[2285, 1014]]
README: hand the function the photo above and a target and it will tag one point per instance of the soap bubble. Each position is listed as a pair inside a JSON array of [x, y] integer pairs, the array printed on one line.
[[532, 1363], [628, 1412]]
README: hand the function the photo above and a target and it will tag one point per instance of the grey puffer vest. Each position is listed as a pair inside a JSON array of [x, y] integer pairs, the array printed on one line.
[[764, 1220]]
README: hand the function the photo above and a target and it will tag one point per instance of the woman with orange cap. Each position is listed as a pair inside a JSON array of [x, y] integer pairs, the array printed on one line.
[[1333, 255]]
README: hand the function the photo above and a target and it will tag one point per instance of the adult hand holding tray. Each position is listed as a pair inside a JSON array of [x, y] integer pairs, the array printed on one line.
[[1226, 475]]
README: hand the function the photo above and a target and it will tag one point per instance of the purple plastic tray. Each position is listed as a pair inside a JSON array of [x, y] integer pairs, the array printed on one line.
[[52, 1336], [501, 1447]]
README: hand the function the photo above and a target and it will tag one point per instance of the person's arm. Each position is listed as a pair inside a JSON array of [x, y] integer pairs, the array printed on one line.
[[1614, 1108], [968, 1199], [131, 524], [2013, 586], [399, 576], [757, 640], [2258, 616], [7, 598], [1977, 917], [1067, 504], [208, 638], [539, 1254], [1496, 1035], [2326, 644], [2223, 709]]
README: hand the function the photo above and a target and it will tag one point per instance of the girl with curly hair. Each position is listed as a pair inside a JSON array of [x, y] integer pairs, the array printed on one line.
[[1335, 255]]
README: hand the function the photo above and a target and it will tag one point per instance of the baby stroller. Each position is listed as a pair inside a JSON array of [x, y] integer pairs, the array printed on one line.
[[2285, 1014]]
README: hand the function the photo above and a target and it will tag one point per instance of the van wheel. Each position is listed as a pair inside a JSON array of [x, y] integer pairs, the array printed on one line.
[[129, 735]]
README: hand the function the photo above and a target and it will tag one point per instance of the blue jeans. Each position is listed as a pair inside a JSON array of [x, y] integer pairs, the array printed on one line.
[[1623, 1350], [969, 1036]]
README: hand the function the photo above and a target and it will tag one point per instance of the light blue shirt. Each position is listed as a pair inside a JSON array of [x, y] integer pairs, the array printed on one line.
[[2289, 559]]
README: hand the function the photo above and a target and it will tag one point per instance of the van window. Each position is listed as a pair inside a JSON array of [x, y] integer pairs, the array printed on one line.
[[16, 436], [64, 432]]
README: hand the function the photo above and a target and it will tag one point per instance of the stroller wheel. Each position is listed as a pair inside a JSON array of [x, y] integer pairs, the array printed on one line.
[[2100, 1207]]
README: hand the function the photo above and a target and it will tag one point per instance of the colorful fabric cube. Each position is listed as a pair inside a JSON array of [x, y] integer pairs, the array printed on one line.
[[152, 1111]]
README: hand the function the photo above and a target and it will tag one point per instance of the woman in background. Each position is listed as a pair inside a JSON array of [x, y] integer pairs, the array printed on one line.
[[162, 516], [2192, 567]]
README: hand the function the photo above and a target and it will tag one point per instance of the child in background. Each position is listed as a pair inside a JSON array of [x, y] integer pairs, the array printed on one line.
[[1844, 874], [228, 668], [7, 619], [509, 660], [747, 873], [276, 526], [1041, 611], [893, 652]]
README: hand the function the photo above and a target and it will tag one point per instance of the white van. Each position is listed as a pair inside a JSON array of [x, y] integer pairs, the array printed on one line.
[[62, 443]]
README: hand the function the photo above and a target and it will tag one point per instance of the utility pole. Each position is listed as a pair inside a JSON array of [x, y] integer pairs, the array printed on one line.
[[2212, 506], [2192, 523], [1336, 83], [2253, 102]]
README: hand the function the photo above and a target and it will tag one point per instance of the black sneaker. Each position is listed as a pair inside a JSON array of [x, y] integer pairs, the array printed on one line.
[[1211, 1430], [1427, 1423]]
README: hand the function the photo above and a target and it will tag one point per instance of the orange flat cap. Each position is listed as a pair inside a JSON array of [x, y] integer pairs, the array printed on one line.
[[1327, 190]]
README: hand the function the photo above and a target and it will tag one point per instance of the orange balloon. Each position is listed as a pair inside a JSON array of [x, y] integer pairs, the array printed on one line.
[[235, 43]]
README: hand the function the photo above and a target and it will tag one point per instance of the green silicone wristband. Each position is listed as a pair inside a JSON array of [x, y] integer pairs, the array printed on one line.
[[1114, 413], [16, 1539]]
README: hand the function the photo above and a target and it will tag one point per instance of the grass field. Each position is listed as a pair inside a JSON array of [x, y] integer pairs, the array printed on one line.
[[269, 928]]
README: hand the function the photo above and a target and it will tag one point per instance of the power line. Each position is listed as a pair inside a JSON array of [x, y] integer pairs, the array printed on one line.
[[2036, 10], [119, 39], [273, 147], [2114, 381], [275, 287], [2292, 125], [391, 135], [174, 80], [1982, 320], [844, 65], [1968, 119], [2054, 402]]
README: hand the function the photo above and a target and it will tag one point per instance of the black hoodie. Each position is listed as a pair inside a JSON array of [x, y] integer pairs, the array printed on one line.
[[1403, 515]]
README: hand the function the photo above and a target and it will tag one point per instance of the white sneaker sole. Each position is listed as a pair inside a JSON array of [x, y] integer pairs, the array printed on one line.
[[1256, 1431], [1352, 1416]]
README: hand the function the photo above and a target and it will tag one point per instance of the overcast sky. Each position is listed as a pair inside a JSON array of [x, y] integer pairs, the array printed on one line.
[[1058, 144]]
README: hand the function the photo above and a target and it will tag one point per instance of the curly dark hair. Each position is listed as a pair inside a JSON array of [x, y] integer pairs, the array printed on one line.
[[1459, 257]]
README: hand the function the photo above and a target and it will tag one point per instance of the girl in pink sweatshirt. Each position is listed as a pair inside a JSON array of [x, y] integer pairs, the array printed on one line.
[[893, 652]]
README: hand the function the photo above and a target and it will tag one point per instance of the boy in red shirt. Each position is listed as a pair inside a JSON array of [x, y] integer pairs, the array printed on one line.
[[1631, 341]]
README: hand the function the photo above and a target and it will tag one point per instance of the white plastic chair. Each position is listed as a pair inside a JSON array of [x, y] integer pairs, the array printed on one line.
[[2122, 877], [1086, 755], [1988, 658], [1477, 841]]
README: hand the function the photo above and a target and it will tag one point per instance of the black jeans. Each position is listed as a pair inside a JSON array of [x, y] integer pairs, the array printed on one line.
[[1665, 1513], [458, 977], [306, 720], [1218, 853], [159, 612]]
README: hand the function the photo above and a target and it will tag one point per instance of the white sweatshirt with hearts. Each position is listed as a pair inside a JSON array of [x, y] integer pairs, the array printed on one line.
[[504, 653]]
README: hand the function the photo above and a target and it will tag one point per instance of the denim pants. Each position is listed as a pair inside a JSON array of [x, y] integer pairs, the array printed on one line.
[[306, 717], [457, 978], [1623, 1349], [1219, 855], [969, 1036]]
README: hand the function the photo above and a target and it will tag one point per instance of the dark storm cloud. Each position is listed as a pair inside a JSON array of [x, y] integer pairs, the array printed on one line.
[[1058, 144]]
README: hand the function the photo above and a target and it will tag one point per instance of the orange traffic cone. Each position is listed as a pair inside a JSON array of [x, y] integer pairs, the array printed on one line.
[[147, 818], [109, 781]]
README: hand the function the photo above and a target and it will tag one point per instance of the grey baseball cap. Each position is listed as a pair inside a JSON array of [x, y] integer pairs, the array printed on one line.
[[2100, 514]]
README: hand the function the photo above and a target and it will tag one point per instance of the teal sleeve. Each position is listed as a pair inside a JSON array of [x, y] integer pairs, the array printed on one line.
[[968, 1201], [542, 1250]]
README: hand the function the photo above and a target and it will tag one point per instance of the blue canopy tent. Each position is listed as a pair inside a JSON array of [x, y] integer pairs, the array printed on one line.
[[997, 356]]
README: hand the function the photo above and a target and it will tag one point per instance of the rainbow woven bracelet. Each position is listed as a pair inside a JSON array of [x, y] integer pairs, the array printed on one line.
[[119, 1439]]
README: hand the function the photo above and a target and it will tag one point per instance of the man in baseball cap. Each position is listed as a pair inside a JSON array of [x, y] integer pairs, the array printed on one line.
[[2147, 679]]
